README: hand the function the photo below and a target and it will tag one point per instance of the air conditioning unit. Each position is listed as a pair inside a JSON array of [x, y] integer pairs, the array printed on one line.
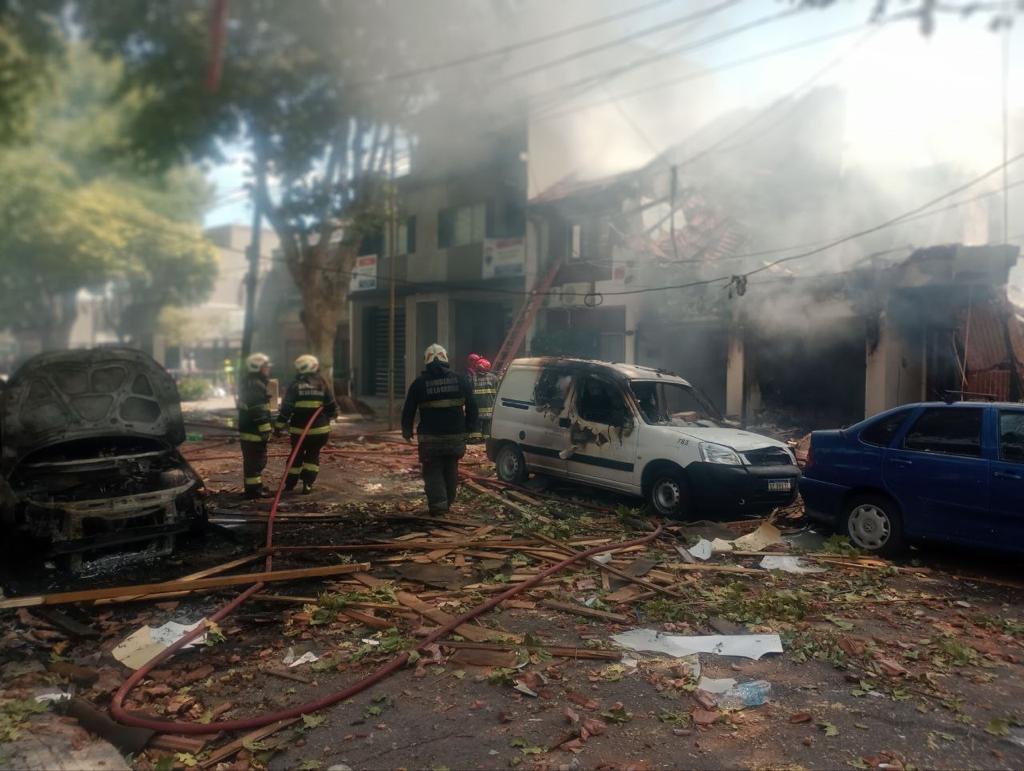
[[573, 295]]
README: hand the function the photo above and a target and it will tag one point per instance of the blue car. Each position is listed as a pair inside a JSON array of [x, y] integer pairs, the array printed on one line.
[[922, 472]]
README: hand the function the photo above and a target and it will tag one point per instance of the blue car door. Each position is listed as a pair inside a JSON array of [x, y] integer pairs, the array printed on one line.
[[1007, 486], [939, 475]]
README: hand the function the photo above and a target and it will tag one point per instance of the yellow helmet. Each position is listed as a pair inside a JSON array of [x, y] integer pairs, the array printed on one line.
[[257, 361], [306, 364]]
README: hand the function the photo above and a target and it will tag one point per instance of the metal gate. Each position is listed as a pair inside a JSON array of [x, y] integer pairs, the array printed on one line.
[[379, 351]]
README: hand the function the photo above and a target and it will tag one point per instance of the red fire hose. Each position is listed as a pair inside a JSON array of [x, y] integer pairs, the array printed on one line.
[[169, 726]]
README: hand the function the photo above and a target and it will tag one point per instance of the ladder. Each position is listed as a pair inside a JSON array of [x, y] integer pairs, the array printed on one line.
[[524, 318]]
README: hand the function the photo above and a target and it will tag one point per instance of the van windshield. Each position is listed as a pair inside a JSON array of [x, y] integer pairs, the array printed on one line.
[[672, 404]]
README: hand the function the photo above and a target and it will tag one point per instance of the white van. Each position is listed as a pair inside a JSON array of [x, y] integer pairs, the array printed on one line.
[[636, 430]]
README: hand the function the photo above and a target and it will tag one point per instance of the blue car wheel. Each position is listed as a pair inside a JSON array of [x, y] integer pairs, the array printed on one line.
[[873, 523]]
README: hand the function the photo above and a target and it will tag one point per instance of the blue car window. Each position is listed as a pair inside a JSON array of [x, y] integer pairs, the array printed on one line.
[[882, 432], [955, 431], [1011, 436]]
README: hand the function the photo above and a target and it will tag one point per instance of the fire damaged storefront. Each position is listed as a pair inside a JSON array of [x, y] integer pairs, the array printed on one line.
[[934, 326]]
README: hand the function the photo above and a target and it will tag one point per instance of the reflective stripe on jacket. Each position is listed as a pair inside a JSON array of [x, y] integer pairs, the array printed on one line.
[[304, 396], [444, 401], [254, 409]]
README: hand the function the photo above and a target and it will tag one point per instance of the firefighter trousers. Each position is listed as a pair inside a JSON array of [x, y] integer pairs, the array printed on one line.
[[439, 457], [254, 460], [306, 465]]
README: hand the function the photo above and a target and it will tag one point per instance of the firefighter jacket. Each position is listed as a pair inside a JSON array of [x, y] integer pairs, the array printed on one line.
[[445, 403], [305, 395], [485, 391], [254, 408]]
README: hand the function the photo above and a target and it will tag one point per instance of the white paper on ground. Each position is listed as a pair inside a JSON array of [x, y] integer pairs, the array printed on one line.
[[715, 685], [145, 643], [790, 565], [701, 550], [751, 646], [305, 658], [764, 536]]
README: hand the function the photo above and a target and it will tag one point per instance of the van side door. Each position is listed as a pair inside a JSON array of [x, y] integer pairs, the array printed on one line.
[[531, 411], [603, 434]]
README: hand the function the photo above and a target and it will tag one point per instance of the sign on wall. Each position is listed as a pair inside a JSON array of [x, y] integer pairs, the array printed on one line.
[[504, 257], [364, 273]]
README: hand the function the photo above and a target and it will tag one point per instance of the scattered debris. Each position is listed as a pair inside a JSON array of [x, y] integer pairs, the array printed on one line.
[[145, 643], [790, 565], [751, 646]]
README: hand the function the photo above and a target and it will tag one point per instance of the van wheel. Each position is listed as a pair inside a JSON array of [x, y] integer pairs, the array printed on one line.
[[510, 464], [874, 524], [669, 495]]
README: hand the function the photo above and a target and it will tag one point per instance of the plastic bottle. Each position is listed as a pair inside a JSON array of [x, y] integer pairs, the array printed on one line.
[[743, 695]]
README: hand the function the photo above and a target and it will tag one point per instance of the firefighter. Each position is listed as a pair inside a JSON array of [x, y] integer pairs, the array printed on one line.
[[447, 414], [254, 422], [485, 391], [308, 392]]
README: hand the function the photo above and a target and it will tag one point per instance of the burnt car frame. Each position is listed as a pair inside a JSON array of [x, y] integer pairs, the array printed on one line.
[[89, 459]]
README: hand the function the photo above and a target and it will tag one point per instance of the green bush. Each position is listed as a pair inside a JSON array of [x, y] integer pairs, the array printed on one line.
[[193, 389]]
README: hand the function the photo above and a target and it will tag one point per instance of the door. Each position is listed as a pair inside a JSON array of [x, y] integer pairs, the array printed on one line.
[[1006, 515], [603, 435], [530, 410], [379, 328], [939, 476]]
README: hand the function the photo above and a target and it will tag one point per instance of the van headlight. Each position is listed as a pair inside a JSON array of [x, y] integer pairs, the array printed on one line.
[[719, 453]]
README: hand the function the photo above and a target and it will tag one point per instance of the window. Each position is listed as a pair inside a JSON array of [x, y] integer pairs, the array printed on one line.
[[1011, 436], [671, 404], [601, 402], [461, 225], [552, 389], [954, 431], [407, 236], [518, 384], [881, 432]]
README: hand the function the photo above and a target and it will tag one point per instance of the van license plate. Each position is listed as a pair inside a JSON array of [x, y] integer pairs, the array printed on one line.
[[780, 485]]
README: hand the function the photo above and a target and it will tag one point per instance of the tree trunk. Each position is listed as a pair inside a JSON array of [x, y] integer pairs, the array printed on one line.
[[61, 310]]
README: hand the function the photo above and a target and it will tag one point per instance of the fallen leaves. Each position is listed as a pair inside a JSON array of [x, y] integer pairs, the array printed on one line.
[[800, 717]]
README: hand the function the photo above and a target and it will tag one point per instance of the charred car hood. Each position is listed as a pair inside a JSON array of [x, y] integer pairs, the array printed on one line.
[[69, 395], [738, 439]]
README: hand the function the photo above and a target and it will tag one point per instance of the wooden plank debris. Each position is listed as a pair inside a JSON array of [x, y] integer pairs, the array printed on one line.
[[432, 612], [64, 598], [583, 610], [232, 748]]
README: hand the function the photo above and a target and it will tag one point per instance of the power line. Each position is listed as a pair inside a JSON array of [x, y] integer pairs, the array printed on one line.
[[684, 48], [511, 47], [660, 27], [701, 74], [890, 222]]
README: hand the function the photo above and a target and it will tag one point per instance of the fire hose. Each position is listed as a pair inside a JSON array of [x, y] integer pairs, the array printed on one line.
[[119, 713]]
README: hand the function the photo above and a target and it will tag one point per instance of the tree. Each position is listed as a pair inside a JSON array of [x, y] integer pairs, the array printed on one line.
[[31, 42], [298, 88], [71, 218]]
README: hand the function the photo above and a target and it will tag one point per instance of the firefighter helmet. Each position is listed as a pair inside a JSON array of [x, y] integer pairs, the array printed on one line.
[[434, 353], [484, 365], [473, 362], [306, 364], [257, 361]]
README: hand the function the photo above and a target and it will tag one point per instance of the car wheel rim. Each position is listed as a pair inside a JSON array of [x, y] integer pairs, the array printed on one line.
[[509, 465], [666, 496], [870, 526]]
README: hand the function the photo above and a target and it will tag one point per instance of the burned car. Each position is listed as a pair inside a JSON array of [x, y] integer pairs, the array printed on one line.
[[89, 464]]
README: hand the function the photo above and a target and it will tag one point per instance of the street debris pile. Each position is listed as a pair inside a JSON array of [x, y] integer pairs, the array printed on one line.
[[713, 643]]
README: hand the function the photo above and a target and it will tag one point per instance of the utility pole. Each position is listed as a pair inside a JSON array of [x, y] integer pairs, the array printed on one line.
[[253, 276], [392, 251]]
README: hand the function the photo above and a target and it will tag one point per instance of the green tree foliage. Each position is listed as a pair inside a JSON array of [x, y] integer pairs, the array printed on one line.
[[30, 43], [306, 85], [72, 216]]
